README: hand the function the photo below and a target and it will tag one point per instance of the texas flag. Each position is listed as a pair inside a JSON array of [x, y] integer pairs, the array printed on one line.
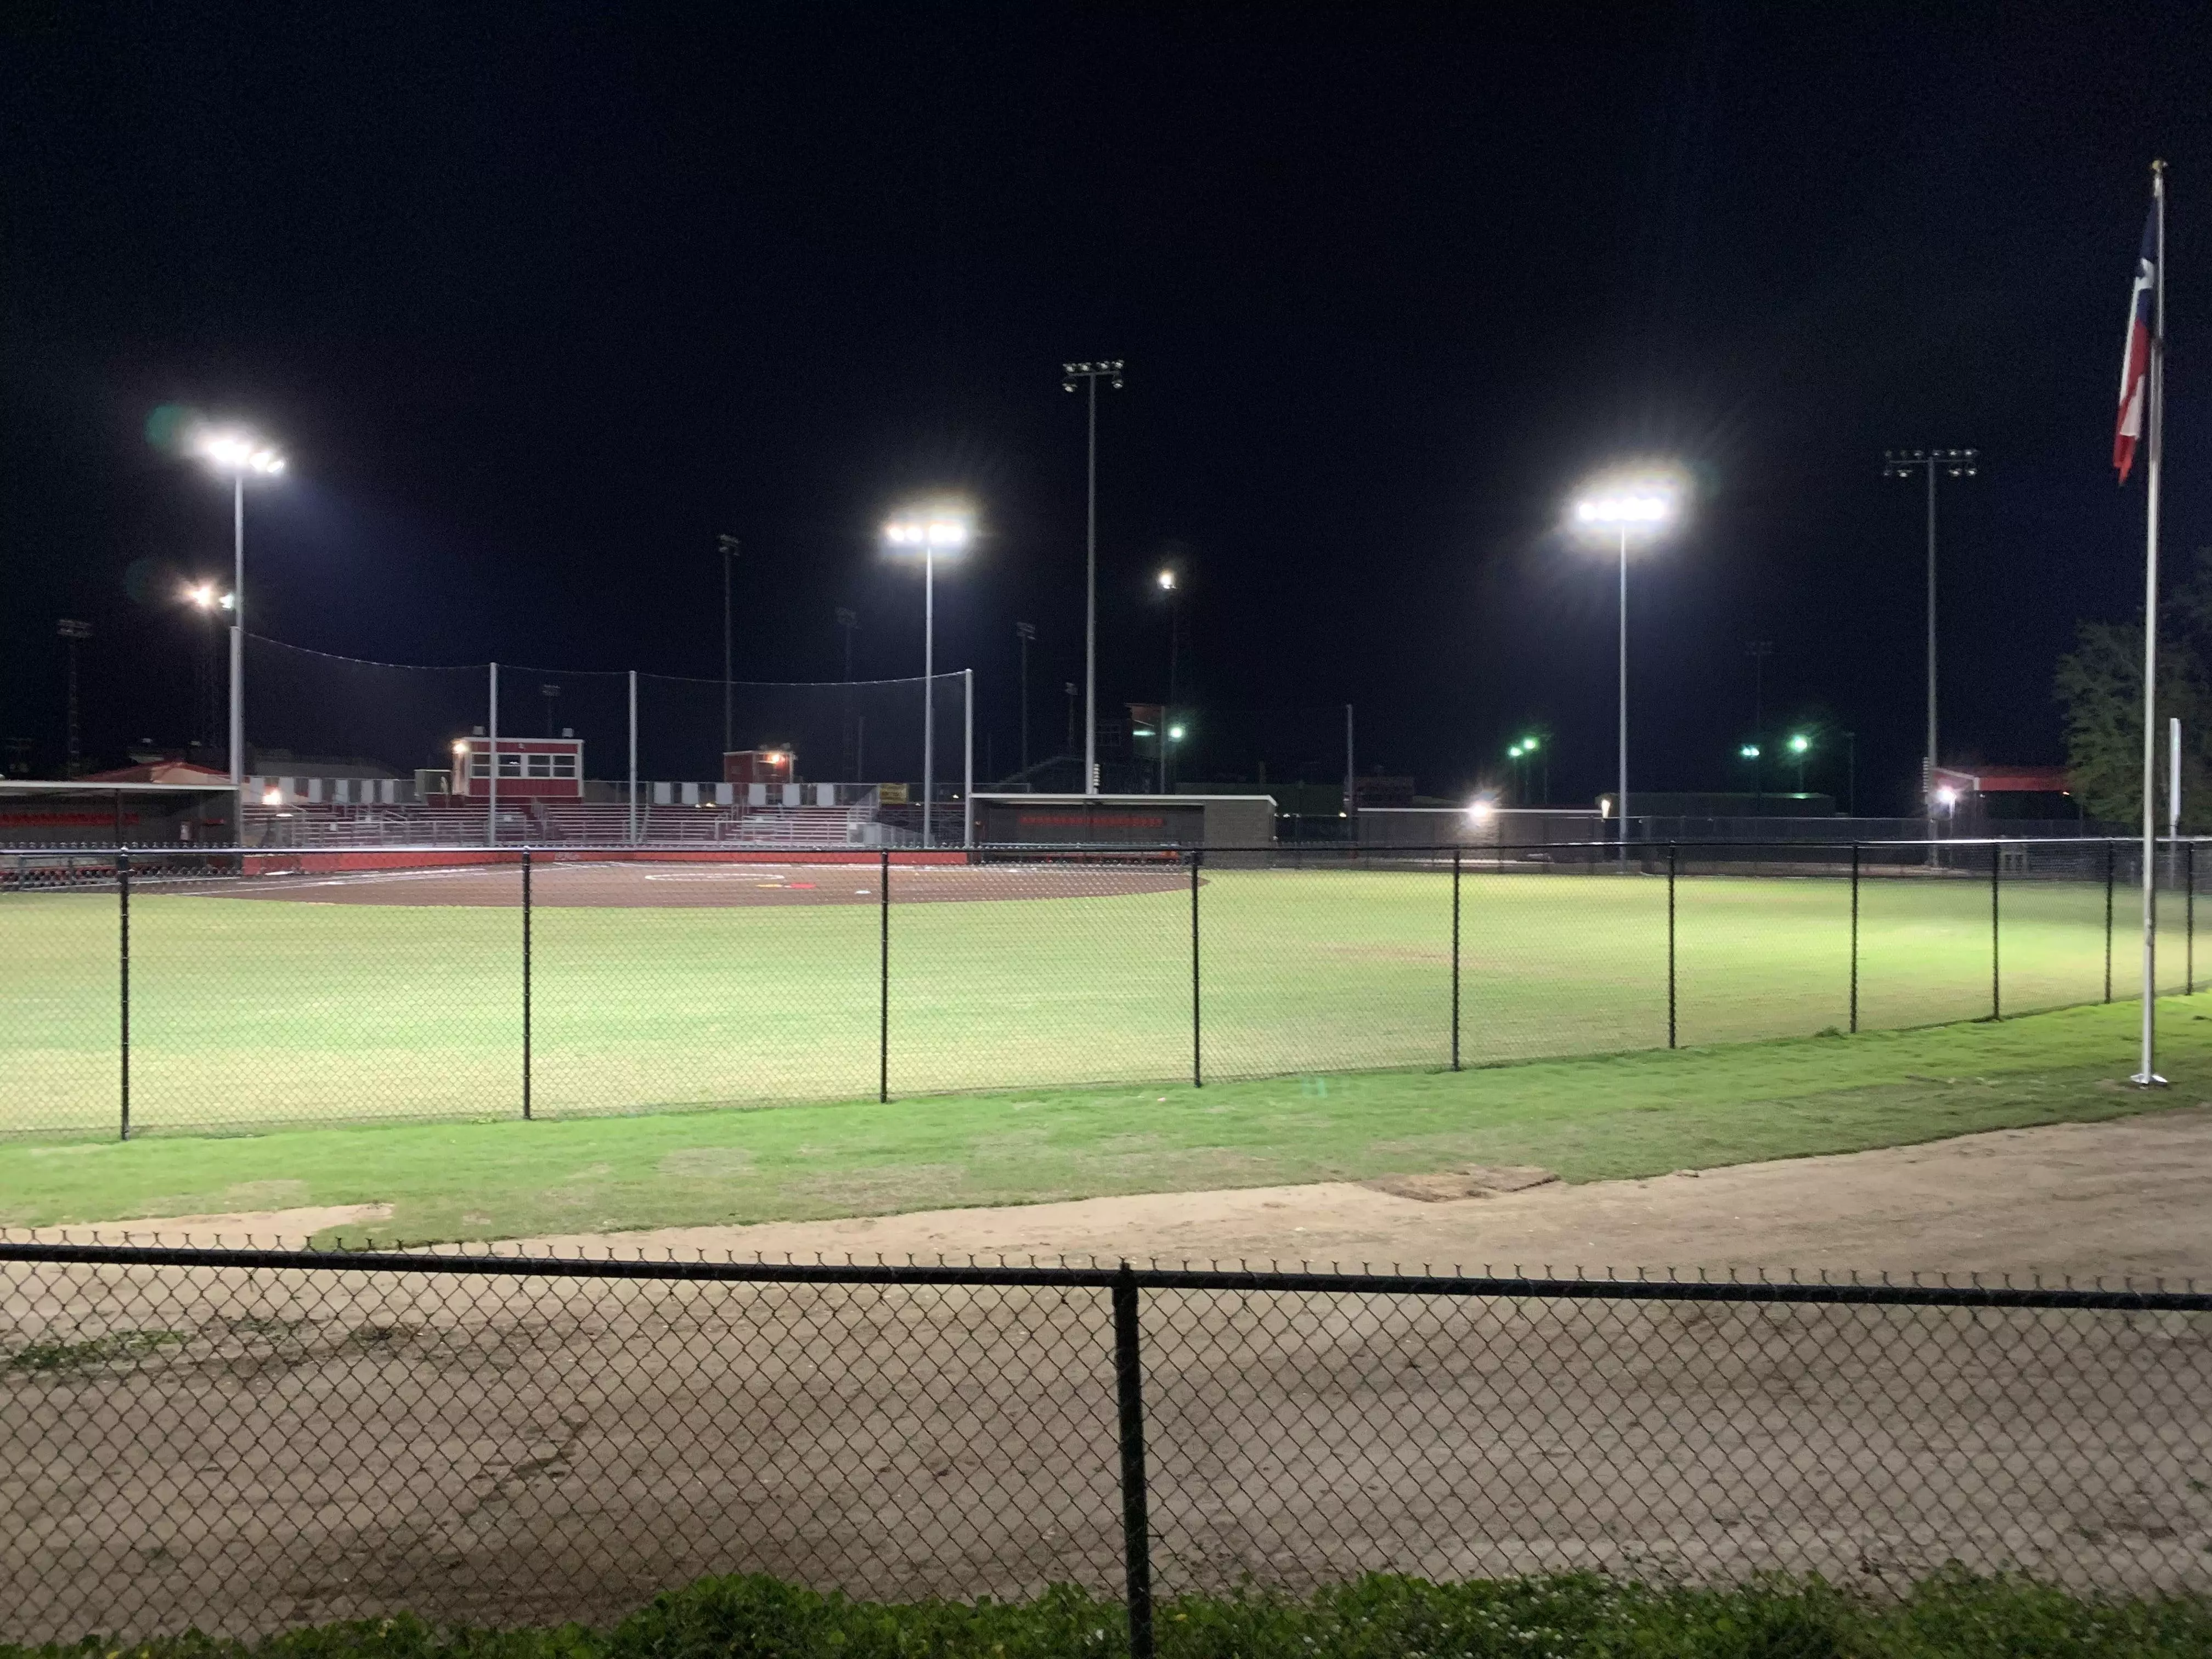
[[2135, 360]]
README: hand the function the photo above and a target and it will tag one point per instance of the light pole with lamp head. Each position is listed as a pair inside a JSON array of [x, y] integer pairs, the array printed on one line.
[[206, 713], [1169, 583], [238, 454], [930, 529], [1800, 746], [1090, 374], [1952, 463], [1614, 508]]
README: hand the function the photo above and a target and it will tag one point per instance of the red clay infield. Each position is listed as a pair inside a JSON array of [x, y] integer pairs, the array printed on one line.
[[705, 886]]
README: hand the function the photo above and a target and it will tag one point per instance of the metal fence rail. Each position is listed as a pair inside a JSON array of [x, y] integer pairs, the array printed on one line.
[[248, 1441], [148, 991]]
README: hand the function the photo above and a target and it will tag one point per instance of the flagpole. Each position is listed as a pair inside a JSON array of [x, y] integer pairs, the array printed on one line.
[[2147, 1077]]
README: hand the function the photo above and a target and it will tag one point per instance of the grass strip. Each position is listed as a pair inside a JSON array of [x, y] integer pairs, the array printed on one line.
[[1622, 1117], [1952, 1613]]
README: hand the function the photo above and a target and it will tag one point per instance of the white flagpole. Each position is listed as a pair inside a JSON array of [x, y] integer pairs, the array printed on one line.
[[2147, 1077]]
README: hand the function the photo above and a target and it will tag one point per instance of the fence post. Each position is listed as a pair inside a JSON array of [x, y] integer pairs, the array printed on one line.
[[1671, 851], [1136, 1526], [526, 985], [884, 991], [1455, 976], [2189, 918], [2108, 920], [1197, 1051], [1997, 863], [123, 963], [1855, 938]]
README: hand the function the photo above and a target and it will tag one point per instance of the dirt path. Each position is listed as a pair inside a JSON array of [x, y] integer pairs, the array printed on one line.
[[2129, 1197]]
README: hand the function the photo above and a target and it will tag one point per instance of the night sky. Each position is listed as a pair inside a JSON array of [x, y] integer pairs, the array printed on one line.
[[540, 299]]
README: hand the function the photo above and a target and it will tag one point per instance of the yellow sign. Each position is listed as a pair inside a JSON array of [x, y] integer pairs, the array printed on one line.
[[891, 794]]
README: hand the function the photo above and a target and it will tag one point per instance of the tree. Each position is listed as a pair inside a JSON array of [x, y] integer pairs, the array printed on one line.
[[2099, 685]]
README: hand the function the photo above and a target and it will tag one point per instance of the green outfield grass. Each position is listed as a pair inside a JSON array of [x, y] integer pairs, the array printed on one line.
[[1629, 1114], [249, 1012]]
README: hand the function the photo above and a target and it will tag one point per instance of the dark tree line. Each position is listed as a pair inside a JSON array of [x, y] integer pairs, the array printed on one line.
[[2100, 686]]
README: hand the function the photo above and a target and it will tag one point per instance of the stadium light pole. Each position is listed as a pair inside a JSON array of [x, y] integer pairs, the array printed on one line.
[[728, 546], [1026, 634], [1614, 510], [1799, 746], [1952, 463], [211, 603], [1171, 586], [239, 455], [1091, 375], [932, 529]]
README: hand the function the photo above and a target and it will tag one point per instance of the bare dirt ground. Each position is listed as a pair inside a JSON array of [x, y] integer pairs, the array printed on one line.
[[676, 885], [250, 1450]]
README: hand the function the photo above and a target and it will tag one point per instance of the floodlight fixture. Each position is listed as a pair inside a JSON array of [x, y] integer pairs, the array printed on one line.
[[1174, 734], [934, 528], [1482, 809], [1945, 797], [228, 450], [1167, 581], [1749, 751], [1529, 745], [1799, 743]]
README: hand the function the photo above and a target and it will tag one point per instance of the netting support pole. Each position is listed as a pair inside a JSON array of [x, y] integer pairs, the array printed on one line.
[[1671, 861], [1855, 938], [491, 765], [2189, 918], [526, 985], [1136, 1523], [123, 964], [883, 970], [1996, 999], [1455, 974], [2111, 858], [968, 757], [1197, 1049], [633, 757]]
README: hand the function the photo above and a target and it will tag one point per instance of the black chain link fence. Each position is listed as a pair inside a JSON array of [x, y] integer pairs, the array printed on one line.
[[252, 1441], [213, 988]]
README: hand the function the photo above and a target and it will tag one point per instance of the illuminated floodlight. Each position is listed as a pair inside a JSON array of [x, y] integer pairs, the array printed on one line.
[[1799, 743], [1482, 809], [1646, 500], [1749, 751], [1174, 734], [1167, 581], [1513, 752], [460, 748], [272, 797], [238, 452], [1528, 746], [1945, 796], [938, 527]]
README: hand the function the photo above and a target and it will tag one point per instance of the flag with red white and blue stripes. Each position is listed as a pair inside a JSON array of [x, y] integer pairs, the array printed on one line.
[[2134, 361]]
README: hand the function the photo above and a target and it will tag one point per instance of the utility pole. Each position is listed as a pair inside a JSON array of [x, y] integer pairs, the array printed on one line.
[[1026, 633], [1091, 375], [1952, 463], [728, 544], [1758, 651], [1350, 778], [72, 633], [1072, 690]]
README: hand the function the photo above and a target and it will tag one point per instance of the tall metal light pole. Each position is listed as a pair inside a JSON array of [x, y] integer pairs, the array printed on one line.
[[848, 619], [1091, 375], [728, 546], [1952, 463], [1026, 633], [72, 633], [942, 527], [238, 454], [1615, 507]]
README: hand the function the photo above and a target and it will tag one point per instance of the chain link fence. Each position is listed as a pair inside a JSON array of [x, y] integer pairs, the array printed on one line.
[[247, 1441], [149, 990]]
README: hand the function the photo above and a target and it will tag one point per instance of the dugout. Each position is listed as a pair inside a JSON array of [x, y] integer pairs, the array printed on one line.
[[86, 812], [1038, 820]]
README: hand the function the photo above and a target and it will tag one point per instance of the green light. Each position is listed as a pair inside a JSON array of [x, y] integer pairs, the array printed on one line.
[[1749, 751], [1174, 734], [1799, 744], [1529, 744], [1515, 751]]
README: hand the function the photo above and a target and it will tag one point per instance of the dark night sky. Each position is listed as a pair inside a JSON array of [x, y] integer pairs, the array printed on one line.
[[539, 299]]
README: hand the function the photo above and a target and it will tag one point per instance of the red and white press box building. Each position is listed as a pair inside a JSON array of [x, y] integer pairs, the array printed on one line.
[[549, 769]]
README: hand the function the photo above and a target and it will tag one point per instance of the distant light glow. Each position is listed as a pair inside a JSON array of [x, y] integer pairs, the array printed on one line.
[[1529, 745], [1947, 796], [272, 797], [1515, 751], [1482, 810], [1167, 581], [1749, 751], [1799, 744], [1625, 509], [1635, 498], [1174, 734]]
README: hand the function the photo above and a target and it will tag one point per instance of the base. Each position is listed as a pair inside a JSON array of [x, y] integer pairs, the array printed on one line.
[[2147, 1080]]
